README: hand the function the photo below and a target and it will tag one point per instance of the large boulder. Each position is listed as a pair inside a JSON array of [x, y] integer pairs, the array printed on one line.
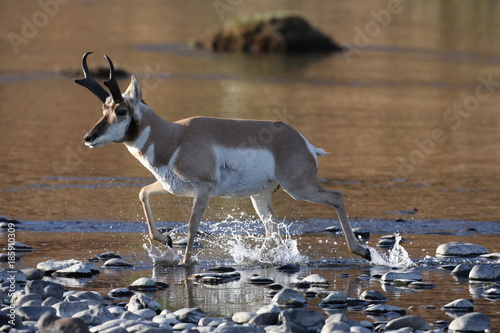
[[459, 305], [415, 322], [50, 266], [33, 312], [305, 319], [143, 284], [7, 275], [139, 301], [80, 270], [269, 33], [68, 309], [373, 296], [470, 323], [483, 273], [382, 309], [316, 280], [335, 299], [45, 289], [94, 315], [462, 270], [394, 275], [460, 249], [49, 323], [289, 298], [189, 315]]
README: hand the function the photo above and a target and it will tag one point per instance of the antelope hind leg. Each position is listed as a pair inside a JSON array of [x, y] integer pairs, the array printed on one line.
[[262, 202]]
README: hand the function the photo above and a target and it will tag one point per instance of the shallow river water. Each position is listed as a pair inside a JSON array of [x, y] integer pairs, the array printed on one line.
[[316, 252], [409, 113]]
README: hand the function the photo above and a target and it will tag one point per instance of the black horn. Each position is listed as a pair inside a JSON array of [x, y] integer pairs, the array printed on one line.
[[112, 84], [90, 83]]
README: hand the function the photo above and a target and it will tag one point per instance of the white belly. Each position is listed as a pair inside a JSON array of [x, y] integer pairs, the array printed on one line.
[[242, 172], [239, 172]]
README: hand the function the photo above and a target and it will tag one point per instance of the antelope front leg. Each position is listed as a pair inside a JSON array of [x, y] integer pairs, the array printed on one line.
[[200, 203], [153, 231]]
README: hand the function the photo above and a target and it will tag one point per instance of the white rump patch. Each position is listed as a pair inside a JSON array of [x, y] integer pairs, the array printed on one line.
[[315, 152]]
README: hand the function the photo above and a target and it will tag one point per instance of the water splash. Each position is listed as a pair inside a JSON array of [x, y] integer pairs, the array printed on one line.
[[244, 246], [161, 255], [397, 256]]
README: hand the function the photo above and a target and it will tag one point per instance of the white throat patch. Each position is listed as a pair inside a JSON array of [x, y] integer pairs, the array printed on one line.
[[140, 142]]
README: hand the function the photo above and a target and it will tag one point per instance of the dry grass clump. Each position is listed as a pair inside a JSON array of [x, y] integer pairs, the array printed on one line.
[[269, 33]]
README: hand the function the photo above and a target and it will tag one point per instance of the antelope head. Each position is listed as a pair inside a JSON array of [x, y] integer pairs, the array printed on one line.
[[121, 113]]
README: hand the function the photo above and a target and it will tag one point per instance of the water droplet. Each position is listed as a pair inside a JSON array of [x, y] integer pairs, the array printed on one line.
[[243, 243], [162, 255]]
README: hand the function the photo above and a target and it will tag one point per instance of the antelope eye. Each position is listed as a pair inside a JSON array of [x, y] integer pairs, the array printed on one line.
[[121, 112]]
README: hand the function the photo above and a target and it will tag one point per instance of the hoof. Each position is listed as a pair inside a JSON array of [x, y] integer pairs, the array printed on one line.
[[168, 241], [164, 239], [362, 251], [188, 263], [365, 253]]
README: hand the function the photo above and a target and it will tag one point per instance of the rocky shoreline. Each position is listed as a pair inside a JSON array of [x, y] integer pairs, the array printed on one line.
[[31, 304]]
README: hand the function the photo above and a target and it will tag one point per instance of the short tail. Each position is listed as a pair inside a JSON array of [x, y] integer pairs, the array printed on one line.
[[320, 152], [315, 151]]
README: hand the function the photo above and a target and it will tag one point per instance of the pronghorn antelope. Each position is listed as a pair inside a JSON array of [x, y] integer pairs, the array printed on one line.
[[202, 157]]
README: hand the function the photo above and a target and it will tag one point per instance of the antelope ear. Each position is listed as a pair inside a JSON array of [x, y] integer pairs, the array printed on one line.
[[134, 90]]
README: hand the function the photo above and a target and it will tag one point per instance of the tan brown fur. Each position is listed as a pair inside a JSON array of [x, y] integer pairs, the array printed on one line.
[[187, 152]]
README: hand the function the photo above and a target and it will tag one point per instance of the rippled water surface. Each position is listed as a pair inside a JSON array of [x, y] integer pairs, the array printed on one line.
[[409, 114]]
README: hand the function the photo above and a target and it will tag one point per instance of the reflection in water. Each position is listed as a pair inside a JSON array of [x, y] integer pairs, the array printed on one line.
[[324, 254], [353, 276]]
